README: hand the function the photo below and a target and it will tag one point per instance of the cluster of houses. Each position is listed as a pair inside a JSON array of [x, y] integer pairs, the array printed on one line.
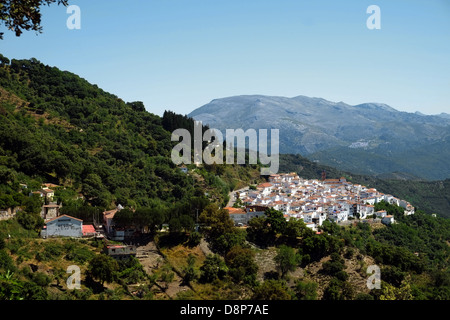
[[49, 210], [57, 225], [314, 201]]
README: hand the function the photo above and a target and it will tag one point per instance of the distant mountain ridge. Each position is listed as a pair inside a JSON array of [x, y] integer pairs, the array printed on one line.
[[368, 138]]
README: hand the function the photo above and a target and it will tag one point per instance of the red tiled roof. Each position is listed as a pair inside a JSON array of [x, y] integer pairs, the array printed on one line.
[[235, 210], [265, 185], [88, 228]]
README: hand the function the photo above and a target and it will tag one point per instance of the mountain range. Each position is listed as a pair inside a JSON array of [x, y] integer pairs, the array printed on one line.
[[368, 138]]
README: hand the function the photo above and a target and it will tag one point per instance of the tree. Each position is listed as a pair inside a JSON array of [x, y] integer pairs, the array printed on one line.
[[334, 265], [3, 60], [187, 223], [175, 225], [137, 106], [404, 292], [264, 230], [306, 290], [23, 15], [218, 219], [124, 218], [226, 241], [271, 290], [30, 221], [276, 220], [320, 245], [338, 290], [333, 291], [94, 190], [286, 260], [241, 264], [213, 268], [189, 272], [32, 204], [152, 217], [103, 268], [167, 276], [259, 231], [296, 228]]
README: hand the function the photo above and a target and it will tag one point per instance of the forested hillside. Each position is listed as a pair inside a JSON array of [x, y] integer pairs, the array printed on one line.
[[56, 127]]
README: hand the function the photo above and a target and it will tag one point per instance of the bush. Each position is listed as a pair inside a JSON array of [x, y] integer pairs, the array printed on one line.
[[306, 290], [30, 221], [41, 279], [194, 239], [213, 268], [79, 254], [51, 252], [342, 275], [6, 262]]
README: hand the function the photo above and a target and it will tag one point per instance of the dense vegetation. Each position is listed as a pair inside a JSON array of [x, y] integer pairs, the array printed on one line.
[[413, 256], [56, 127]]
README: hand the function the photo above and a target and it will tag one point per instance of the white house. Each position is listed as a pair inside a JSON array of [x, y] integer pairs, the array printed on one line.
[[381, 213], [338, 216], [312, 226], [265, 188], [388, 220]]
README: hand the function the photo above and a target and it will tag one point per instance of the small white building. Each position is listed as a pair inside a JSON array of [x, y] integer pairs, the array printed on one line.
[[381, 213], [265, 188], [387, 220], [338, 216]]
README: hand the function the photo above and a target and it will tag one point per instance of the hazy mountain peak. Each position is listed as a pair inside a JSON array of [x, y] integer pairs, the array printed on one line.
[[367, 135], [444, 115], [376, 106]]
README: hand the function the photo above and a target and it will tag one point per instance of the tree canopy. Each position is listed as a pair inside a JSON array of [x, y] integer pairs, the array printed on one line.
[[24, 15]]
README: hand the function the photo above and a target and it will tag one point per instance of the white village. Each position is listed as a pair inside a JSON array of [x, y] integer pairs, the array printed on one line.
[[313, 200]]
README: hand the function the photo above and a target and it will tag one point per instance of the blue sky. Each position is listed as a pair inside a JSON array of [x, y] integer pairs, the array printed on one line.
[[181, 54]]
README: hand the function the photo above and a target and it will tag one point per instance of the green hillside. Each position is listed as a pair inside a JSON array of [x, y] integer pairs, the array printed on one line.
[[56, 127]]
